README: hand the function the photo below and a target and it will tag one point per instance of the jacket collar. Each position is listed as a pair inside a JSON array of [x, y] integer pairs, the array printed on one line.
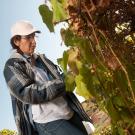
[[15, 54]]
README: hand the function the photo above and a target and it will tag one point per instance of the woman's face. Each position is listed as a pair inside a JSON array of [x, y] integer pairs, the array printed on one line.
[[27, 44]]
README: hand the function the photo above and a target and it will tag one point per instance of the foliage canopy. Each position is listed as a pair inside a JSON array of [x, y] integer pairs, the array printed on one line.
[[101, 58]]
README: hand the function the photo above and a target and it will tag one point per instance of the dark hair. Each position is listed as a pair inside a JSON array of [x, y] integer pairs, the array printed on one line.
[[14, 46]]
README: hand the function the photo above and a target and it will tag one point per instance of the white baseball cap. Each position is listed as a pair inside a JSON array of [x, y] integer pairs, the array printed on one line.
[[23, 28]]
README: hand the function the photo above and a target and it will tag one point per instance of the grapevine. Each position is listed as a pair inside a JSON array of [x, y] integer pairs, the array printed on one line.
[[101, 54]]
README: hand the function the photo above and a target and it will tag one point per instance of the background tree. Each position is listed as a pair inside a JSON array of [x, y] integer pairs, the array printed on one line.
[[8, 132]]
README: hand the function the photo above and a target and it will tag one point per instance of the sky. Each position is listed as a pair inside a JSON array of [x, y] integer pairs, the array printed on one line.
[[48, 43]]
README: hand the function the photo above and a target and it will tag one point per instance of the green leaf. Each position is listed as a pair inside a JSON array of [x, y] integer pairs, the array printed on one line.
[[90, 81], [112, 111], [63, 61], [47, 16], [82, 87], [63, 2], [127, 116], [70, 82], [121, 131], [121, 82], [118, 101], [70, 39], [131, 73], [84, 81], [86, 51], [58, 10]]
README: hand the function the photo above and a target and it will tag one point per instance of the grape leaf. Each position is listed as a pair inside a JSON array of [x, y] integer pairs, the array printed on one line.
[[58, 10], [82, 87], [47, 16], [63, 61], [70, 82]]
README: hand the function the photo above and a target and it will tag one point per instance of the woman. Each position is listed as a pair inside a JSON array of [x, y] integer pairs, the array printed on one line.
[[39, 100]]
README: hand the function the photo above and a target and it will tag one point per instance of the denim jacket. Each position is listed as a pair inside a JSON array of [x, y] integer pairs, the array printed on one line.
[[24, 91]]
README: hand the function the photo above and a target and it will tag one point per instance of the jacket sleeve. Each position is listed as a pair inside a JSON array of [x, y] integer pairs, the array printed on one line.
[[25, 89]]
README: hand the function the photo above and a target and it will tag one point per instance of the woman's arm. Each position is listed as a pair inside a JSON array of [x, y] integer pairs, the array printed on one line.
[[25, 89]]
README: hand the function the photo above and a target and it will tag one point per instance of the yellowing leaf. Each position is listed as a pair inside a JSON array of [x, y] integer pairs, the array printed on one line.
[[58, 10], [82, 88], [74, 56], [70, 82]]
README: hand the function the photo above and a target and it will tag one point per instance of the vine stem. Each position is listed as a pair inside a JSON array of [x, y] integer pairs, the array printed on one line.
[[65, 20], [94, 32]]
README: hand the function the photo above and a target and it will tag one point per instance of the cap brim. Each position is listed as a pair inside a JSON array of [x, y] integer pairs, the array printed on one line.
[[38, 31]]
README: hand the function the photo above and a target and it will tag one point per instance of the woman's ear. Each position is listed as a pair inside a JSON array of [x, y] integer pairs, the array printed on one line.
[[16, 42]]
